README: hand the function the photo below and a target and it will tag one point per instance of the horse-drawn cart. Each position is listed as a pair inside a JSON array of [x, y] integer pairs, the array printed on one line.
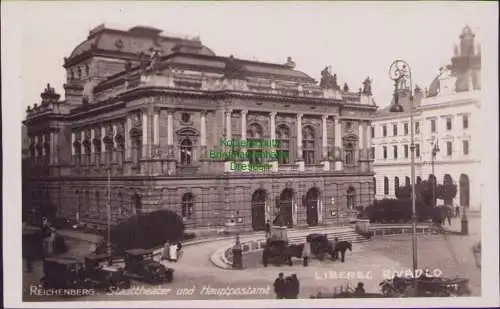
[[277, 249]]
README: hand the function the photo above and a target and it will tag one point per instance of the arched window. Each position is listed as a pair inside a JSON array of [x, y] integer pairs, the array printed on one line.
[[351, 198], [187, 205], [186, 152], [283, 138], [78, 73], [386, 185], [396, 184], [308, 145], [349, 153], [407, 181], [87, 71], [254, 137]]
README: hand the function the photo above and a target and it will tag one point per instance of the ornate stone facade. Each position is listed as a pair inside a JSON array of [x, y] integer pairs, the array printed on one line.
[[149, 124]]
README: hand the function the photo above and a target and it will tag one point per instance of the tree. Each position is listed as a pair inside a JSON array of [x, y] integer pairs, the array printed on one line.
[[147, 230], [447, 191], [396, 210], [423, 192]]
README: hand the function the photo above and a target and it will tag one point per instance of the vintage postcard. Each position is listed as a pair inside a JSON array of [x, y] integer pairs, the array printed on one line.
[[241, 154]]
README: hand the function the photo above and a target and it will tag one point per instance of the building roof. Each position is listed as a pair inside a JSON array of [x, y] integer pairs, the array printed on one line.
[[134, 41]]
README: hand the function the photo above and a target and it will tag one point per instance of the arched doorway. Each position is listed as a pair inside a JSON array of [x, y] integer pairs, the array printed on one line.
[[312, 200], [351, 198], [285, 207], [464, 190], [259, 210]]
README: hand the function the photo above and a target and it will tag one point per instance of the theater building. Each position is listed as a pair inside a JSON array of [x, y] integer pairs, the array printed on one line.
[[143, 111], [447, 128]]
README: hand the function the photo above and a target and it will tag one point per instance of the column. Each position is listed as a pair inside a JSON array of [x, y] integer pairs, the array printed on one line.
[[203, 135], [90, 155], [43, 145], [338, 146], [144, 134], [115, 150], [300, 159], [52, 148], [324, 150], [227, 164], [361, 141], [244, 114], [156, 128], [56, 147], [104, 151], [272, 121], [320, 210], [170, 133], [73, 139], [128, 140]]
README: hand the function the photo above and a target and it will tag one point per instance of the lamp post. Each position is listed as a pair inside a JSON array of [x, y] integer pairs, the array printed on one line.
[[108, 209], [400, 73], [435, 150]]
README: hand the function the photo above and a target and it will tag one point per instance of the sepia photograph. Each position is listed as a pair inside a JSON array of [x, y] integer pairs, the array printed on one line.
[[250, 154]]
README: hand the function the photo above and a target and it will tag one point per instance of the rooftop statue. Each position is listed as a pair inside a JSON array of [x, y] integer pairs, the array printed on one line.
[[327, 80], [346, 88], [367, 86], [154, 62]]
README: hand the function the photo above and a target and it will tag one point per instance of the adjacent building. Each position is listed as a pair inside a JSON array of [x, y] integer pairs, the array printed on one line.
[[446, 125], [142, 112]]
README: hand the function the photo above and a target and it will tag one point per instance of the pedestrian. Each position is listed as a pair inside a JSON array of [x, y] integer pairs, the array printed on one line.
[[179, 251], [294, 286], [28, 256], [173, 253], [457, 211], [279, 286], [165, 254], [268, 229], [360, 290], [448, 214], [335, 254], [306, 253]]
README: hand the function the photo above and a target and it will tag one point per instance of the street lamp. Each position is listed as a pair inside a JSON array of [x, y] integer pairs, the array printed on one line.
[[435, 150], [400, 73], [108, 208]]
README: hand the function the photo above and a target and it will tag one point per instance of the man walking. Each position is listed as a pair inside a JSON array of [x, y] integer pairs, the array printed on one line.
[[279, 286], [294, 286], [306, 253], [268, 229]]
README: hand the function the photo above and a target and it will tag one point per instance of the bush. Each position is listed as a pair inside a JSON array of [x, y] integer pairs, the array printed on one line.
[[147, 230], [396, 211]]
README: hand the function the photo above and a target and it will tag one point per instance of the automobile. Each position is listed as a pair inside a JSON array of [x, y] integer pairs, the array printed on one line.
[[64, 273], [320, 245], [427, 287], [104, 276], [139, 264]]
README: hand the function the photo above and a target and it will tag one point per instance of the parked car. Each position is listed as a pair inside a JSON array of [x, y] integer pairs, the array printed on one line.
[[139, 264], [103, 276], [64, 273]]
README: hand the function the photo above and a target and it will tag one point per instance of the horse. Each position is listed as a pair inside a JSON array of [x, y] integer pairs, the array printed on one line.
[[341, 247]]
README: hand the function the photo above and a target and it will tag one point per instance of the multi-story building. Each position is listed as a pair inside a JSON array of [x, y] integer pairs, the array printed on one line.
[[446, 126], [146, 110]]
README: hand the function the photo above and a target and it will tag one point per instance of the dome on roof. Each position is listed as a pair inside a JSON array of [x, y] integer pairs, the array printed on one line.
[[434, 87], [135, 40]]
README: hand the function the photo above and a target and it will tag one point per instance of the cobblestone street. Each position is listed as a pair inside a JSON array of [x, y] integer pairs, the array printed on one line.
[[367, 263]]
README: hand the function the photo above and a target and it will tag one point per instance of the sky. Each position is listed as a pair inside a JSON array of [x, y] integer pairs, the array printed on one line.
[[357, 40]]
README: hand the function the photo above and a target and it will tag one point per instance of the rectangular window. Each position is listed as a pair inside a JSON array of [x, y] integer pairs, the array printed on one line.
[[417, 150], [395, 151], [465, 122], [465, 147], [433, 125], [406, 151], [449, 148], [448, 124], [372, 153], [417, 127], [405, 128], [384, 130], [373, 131], [395, 129], [385, 152]]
